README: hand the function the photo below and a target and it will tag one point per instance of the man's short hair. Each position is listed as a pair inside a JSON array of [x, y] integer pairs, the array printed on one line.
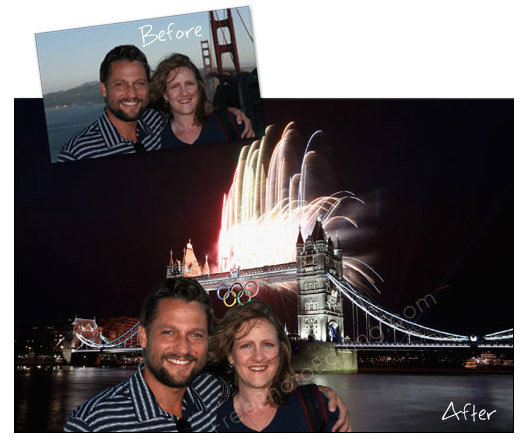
[[184, 289], [126, 52]]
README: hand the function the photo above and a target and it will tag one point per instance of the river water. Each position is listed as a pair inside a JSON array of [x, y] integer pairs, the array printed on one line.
[[44, 398]]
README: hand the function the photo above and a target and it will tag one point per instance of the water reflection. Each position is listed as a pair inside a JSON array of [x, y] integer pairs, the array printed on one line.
[[45, 397], [417, 403]]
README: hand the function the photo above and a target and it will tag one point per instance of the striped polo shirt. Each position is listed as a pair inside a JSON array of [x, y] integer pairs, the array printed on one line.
[[130, 406], [101, 138]]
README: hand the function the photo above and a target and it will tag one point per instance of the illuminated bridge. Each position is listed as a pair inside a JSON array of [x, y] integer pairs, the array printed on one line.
[[321, 286], [373, 327]]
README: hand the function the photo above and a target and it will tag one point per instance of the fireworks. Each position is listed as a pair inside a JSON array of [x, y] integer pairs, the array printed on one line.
[[278, 186]]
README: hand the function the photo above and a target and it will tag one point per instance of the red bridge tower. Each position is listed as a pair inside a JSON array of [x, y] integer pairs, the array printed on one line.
[[225, 47]]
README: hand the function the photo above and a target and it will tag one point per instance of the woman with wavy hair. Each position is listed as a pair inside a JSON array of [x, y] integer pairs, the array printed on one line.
[[250, 348], [178, 89]]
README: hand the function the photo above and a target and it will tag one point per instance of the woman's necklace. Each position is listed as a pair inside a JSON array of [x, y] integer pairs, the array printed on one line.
[[249, 421]]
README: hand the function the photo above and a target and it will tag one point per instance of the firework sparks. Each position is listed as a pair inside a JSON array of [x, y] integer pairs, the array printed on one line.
[[272, 194]]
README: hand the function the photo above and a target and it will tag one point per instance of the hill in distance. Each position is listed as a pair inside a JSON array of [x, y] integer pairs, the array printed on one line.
[[85, 94]]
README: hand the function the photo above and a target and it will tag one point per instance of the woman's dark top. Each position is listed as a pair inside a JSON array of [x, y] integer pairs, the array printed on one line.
[[215, 130], [290, 417]]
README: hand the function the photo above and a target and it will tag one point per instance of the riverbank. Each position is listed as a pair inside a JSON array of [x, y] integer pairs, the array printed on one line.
[[377, 369], [432, 370]]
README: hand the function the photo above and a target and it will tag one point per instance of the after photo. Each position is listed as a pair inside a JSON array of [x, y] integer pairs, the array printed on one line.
[[365, 245]]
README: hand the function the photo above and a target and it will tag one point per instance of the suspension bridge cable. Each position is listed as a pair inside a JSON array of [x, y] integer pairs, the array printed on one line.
[[244, 24], [396, 322]]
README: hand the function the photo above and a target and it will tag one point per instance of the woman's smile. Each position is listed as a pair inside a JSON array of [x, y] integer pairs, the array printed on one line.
[[256, 354]]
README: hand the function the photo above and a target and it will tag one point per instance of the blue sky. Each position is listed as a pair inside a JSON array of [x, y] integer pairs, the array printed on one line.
[[68, 58]]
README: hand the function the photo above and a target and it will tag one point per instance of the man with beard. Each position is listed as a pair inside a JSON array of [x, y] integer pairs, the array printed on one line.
[[169, 392], [126, 125]]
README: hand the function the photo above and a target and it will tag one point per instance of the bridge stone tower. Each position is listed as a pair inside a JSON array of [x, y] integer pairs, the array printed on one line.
[[320, 306], [189, 267]]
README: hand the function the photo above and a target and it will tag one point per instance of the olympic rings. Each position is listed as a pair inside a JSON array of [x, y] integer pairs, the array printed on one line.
[[247, 290], [237, 295], [241, 293], [234, 298], [227, 292]]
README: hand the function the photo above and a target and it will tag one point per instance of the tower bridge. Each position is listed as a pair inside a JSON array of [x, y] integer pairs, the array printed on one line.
[[321, 289], [277, 273]]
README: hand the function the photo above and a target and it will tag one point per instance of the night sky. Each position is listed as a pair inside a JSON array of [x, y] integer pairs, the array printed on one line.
[[93, 237]]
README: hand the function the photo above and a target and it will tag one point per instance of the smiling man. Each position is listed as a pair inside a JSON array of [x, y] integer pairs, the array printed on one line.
[[169, 392], [126, 125]]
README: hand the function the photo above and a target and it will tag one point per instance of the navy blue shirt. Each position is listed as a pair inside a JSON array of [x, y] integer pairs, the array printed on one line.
[[290, 417], [212, 132]]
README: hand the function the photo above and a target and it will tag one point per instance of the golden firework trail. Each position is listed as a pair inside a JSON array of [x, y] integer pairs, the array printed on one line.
[[275, 190]]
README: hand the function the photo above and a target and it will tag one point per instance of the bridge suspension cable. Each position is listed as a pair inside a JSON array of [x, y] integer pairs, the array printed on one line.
[[391, 320], [125, 336], [120, 341], [244, 24], [501, 335]]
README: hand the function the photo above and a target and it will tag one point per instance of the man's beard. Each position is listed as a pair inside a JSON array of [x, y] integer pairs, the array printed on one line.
[[122, 115], [163, 376]]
